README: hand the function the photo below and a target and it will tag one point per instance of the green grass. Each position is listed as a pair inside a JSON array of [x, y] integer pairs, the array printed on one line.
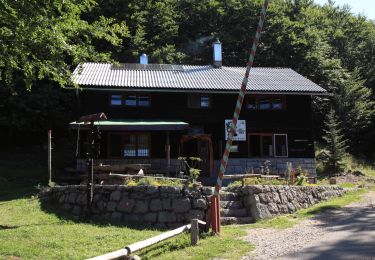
[[28, 232]]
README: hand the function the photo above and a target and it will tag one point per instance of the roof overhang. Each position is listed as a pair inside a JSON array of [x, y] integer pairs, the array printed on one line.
[[168, 90], [134, 125]]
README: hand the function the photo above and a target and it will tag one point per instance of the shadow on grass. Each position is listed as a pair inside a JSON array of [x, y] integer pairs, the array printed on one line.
[[321, 209], [54, 208]]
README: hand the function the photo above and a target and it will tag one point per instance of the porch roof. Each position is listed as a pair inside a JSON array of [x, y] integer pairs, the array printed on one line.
[[134, 125]]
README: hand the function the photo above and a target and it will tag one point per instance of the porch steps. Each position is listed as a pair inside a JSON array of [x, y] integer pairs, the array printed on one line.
[[232, 210]]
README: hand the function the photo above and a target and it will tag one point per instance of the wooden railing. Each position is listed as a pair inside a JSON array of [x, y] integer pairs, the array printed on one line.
[[128, 250]]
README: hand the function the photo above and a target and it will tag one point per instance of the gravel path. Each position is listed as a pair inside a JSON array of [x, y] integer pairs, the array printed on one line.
[[276, 243]]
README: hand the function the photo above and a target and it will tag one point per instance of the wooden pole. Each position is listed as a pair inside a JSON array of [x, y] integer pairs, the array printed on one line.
[[194, 232], [168, 151], [49, 156]]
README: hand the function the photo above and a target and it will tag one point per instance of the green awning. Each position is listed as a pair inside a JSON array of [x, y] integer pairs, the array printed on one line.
[[135, 125]]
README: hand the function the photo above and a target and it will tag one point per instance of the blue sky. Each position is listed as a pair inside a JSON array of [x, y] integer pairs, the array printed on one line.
[[366, 7]]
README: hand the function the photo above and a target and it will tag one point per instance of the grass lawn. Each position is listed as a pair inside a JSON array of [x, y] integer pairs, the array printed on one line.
[[29, 232]]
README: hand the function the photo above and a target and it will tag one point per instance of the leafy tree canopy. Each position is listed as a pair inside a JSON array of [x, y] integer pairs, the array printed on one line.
[[46, 39]]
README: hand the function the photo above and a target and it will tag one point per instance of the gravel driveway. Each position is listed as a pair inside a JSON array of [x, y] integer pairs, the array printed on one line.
[[310, 238]]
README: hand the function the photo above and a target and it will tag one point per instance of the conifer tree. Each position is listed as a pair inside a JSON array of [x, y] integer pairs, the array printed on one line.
[[335, 142]]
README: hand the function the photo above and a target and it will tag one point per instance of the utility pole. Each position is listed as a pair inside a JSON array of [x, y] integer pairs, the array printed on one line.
[[50, 156]]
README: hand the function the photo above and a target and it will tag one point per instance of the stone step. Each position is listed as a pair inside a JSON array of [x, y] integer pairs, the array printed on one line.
[[230, 204], [241, 212], [236, 220], [229, 196]]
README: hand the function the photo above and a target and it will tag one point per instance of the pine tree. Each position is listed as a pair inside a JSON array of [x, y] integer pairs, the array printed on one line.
[[335, 142]]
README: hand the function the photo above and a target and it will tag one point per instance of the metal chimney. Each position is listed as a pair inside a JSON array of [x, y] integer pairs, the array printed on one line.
[[143, 59], [217, 54]]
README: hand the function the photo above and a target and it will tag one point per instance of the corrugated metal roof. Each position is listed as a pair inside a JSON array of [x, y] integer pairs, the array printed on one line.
[[105, 75]]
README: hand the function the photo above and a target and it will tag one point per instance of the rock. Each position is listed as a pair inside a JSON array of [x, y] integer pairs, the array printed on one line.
[[152, 189], [170, 189], [141, 206], [126, 205], [181, 205], [263, 198], [66, 207], [155, 205], [72, 197], [283, 209], [150, 217], [166, 216], [200, 204], [115, 195], [273, 209], [208, 190], [76, 210], [111, 206], [166, 204], [194, 213], [116, 217], [61, 199]]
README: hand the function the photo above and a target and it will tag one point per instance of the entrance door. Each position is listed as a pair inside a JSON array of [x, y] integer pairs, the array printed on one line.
[[204, 155]]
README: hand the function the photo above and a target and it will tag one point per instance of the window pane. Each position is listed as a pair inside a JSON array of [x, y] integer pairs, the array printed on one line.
[[280, 145], [264, 103], [143, 145], [277, 104], [267, 148], [130, 145], [116, 100], [131, 101], [144, 101], [252, 103], [254, 141], [205, 102]]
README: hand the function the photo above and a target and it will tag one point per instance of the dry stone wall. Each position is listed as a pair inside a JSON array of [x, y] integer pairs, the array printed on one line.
[[168, 207], [163, 206], [265, 201]]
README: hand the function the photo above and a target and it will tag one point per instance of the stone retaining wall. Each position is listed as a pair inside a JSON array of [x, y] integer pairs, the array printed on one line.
[[168, 207], [268, 201], [157, 206]]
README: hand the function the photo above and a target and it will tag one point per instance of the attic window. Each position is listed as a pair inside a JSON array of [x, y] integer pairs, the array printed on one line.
[[266, 102], [199, 101], [116, 100]]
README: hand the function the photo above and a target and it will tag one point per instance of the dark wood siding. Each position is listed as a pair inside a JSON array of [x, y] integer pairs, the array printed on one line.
[[295, 120]]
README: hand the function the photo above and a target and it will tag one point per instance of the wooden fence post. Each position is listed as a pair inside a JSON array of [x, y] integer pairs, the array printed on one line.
[[194, 231]]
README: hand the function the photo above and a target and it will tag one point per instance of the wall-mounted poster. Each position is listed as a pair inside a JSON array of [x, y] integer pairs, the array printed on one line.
[[240, 134]]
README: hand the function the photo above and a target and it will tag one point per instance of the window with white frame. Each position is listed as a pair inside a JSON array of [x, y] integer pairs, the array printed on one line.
[[268, 145], [281, 145]]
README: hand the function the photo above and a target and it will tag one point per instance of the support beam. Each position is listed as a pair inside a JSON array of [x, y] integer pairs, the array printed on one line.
[[168, 150]]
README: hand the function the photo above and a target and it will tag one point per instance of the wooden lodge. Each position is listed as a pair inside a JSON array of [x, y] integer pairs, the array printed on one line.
[[158, 112]]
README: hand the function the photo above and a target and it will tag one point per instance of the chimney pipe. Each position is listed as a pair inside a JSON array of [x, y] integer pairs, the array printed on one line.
[[217, 54], [143, 59]]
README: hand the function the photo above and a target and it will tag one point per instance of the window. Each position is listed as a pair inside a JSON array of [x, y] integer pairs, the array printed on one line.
[[132, 100], [199, 101], [281, 145], [265, 102], [252, 103], [116, 100], [268, 145], [260, 145], [144, 101], [130, 145], [205, 102]]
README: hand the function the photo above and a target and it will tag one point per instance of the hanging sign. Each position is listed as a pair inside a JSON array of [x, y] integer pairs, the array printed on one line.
[[240, 134]]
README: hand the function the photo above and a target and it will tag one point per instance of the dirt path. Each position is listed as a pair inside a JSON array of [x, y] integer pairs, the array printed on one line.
[[346, 233]]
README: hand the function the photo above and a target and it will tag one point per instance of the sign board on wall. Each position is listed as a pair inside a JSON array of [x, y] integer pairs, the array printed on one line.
[[240, 134]]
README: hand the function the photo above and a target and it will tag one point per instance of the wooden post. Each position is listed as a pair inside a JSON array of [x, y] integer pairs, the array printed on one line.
[[194, 232], [168, 151], [215, 214], [49, 156]]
